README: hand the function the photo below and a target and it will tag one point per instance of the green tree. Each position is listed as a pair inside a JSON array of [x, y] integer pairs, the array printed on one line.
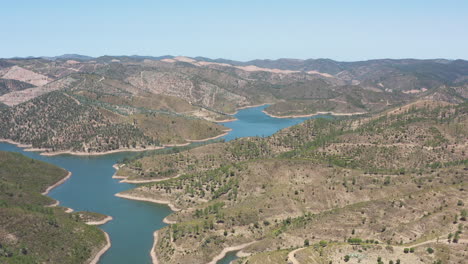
[[463, 215], [346, 258]]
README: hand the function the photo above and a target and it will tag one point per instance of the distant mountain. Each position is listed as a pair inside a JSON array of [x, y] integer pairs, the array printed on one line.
[[126, 95], [70, 57]]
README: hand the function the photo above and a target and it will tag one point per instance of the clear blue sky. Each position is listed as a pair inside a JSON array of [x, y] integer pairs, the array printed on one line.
[[242, 30]]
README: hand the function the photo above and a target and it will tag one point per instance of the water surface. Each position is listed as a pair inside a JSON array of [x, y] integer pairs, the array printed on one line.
[[91, 188], [253, 122]]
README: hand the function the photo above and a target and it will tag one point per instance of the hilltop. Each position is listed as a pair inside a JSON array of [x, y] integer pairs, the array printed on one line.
[[143, 100], [347, 189], [31, 230]]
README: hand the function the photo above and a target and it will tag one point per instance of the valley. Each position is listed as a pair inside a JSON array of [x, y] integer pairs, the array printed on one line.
[[285, 161], [123, 103]]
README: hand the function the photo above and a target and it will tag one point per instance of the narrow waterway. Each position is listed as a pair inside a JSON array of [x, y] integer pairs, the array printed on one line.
[[92, 188]]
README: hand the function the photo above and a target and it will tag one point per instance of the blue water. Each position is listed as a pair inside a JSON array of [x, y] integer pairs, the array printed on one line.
[[253, 122], [91, 188], [230, 256]]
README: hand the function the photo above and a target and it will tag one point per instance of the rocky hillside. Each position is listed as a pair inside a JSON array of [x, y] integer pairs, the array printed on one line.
[[386, 186], [25, 217]]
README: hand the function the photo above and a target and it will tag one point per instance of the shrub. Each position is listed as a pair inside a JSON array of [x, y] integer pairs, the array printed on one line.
[[430, 250], [354, 240], [463, 215], [346, 258]]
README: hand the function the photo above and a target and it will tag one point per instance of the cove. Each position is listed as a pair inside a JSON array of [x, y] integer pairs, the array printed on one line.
[[92, 188]]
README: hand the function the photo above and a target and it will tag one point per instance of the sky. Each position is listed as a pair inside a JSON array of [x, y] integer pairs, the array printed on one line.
[[346, 30]]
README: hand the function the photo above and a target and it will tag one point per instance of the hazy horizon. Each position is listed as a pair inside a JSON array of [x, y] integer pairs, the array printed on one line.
[[241, 30], [222, 58]]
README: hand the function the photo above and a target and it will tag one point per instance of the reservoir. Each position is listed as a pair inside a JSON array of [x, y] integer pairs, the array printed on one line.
[[92, 188]]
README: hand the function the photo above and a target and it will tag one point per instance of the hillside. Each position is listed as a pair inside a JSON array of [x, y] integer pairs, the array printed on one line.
[[60, 121], [355, 188], [114, 103], [293, 86], [25, 217], [7, 86]]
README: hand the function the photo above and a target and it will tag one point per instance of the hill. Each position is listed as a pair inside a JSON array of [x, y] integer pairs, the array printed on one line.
[[354, 188], [297, 86], [30, 230], [137, 102], [7, 86], [60, 121]]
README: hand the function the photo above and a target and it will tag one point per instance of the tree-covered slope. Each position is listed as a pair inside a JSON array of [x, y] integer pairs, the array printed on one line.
[[60, 121], [31, 232]]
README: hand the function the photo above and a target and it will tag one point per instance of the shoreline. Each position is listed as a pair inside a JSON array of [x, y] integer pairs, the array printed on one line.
[[248, 106], [60, 182], [315, 114], [176, 145], [154, 258], [130, 197], [19, 145], [101, 252], [47, 153], [55, 204], [125, 179], [207, 139], [80, 153], [227, 250], [226, 120], [101, 222], [169, 222]]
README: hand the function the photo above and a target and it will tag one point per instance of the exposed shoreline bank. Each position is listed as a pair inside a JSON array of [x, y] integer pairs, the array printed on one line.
[[227, 250], [248, 106], [79, 153], [125, 179], [48, 153], [315, 114], [130, 197], [226, 120], [60, 182], [101, 222], [154, 258], [211, 138], [101, 252]]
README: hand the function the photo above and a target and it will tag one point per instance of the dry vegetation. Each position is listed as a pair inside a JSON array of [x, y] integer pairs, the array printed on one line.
[[359, 187]]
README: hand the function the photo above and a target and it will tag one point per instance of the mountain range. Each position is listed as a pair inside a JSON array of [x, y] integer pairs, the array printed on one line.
[[143, 97]]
